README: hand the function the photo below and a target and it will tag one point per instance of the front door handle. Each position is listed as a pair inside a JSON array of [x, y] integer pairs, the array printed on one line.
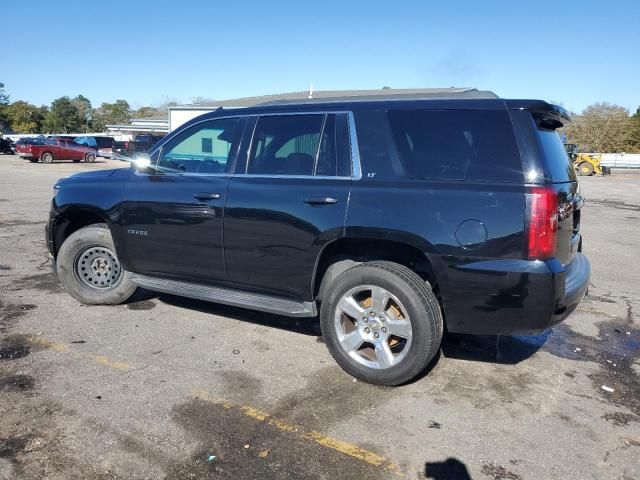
[[206, 196], [320, 200]]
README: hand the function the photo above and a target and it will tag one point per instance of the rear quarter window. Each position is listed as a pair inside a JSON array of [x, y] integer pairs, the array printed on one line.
[[555, 156], [474, 145]]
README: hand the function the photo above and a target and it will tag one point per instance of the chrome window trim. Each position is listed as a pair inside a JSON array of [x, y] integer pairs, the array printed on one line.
[[356, 167], [260, 175]]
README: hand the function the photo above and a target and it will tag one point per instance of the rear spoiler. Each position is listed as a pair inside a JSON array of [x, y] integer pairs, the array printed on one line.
[[546, 115]]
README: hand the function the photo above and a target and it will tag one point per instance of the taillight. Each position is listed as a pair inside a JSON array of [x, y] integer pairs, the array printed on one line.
[[542, 205], [126, 144]]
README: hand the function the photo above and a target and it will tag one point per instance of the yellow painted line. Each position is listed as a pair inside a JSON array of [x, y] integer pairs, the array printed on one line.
[[94, 357], [325, 441]]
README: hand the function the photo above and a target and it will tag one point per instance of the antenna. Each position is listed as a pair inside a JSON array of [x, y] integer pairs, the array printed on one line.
[[311, 90]]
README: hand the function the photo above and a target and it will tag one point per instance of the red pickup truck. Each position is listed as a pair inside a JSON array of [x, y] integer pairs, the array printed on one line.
[[49, 149]]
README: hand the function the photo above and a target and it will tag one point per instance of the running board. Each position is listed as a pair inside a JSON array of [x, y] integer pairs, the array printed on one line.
[[227, 296]]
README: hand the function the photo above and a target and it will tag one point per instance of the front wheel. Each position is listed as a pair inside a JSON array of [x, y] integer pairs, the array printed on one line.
[[88, 268], [90, 158], [381, 322]]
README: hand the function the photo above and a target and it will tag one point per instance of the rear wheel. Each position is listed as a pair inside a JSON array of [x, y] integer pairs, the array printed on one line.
[[89, 269], [47, 157], [89, 158], [381, 322], [585, 169]]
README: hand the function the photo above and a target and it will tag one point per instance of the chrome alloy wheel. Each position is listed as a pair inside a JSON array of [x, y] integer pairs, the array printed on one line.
[[98, 267], [373, 327]]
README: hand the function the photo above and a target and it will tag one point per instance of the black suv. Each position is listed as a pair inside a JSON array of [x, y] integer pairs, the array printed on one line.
[[390, 218]]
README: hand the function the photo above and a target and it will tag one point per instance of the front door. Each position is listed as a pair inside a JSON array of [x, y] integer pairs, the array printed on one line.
[[172, 217], [287, 202]]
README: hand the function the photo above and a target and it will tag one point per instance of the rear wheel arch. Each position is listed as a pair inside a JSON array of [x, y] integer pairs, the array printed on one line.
[[343, 254]]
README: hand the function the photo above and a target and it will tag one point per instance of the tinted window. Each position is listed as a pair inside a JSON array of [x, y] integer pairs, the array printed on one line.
[[312, 144], [556, 157], [476, 145], [205, 148], [285, 145], [335, 150], [103, 141]]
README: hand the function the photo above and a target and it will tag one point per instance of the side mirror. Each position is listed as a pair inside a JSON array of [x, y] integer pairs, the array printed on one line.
[[141, 161]]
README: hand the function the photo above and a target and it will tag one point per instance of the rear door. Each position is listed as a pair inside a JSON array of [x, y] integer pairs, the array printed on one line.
[[287, 201], [173, 213]]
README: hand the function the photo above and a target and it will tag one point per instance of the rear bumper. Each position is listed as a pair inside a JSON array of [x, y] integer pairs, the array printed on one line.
[[509, 297], [576, 283]]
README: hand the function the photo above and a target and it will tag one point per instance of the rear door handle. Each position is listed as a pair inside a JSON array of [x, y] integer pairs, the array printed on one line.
[[206, 196], [320, 200]]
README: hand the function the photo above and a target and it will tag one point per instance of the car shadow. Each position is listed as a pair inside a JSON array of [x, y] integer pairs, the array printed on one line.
[[304, 326], [502, 349], [499, 349], [450, 469]]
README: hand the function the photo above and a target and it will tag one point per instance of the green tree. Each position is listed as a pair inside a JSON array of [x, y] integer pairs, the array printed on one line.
[[25, 117], [83, 105], [63, 117], [4, 101], [111, 114], [145, 112], [634, 132], [602, 127]]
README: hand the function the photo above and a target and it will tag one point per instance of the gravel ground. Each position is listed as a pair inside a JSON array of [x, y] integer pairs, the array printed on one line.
[[170, 388]]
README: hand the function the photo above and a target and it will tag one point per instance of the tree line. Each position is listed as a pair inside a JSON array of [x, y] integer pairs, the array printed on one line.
[[67, 115], [605, 128]]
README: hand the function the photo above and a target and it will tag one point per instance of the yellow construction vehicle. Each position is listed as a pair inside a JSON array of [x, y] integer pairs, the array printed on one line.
[[585, 163]]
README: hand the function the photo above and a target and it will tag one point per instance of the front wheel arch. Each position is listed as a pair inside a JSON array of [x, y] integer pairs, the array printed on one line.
[[72, 220]]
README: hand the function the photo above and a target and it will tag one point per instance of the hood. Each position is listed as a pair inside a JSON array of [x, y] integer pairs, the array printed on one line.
[[93, 175]]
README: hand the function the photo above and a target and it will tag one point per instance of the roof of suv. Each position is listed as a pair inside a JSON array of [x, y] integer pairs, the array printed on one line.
[[433, 98]]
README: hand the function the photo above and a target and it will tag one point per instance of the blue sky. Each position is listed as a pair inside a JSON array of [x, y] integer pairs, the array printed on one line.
[[571, 52]]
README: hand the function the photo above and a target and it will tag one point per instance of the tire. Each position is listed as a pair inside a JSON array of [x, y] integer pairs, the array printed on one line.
[[47, 157], [99, 281], [408, 354], [585, 169], [89, 158]]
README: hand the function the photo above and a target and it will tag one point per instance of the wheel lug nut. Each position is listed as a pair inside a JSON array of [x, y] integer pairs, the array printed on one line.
[[376, 335], [384, 330], [366, 330]]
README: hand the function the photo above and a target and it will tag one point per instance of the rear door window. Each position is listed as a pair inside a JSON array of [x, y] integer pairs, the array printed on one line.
[[474, 145], [293, 145]]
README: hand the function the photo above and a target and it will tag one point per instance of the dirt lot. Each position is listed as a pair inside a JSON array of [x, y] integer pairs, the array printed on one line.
[[171, 388]]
